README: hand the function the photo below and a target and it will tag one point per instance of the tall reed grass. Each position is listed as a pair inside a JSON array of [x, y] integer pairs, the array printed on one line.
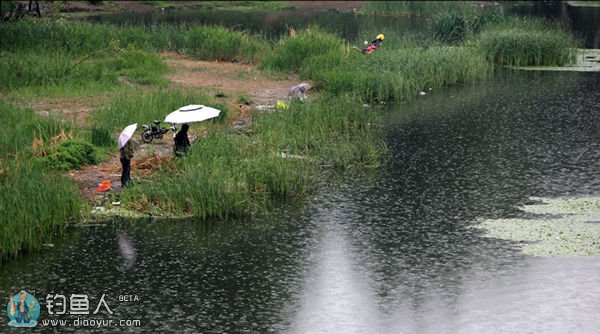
[[522, 42]]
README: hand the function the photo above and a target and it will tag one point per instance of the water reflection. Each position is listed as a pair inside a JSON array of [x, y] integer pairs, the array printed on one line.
[[336, 295], [127, 250]]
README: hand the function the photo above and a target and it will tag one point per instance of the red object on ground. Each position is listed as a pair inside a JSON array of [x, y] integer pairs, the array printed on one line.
[[104, 186], [371, 48]]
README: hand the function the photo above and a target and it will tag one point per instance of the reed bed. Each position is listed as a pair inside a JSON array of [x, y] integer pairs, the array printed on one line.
[[523, 42]]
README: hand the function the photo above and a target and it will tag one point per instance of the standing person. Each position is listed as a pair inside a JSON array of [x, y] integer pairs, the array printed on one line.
[[126, 156], [182, 142]]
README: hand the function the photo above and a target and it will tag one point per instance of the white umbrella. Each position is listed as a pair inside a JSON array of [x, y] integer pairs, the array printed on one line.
[[126, 134], [192, 113]]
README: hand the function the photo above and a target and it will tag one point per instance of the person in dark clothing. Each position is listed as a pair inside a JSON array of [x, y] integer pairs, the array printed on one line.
[[182, 142], [126, 156]]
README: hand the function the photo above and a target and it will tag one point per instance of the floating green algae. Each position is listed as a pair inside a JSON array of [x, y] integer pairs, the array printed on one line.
[[572, 230]]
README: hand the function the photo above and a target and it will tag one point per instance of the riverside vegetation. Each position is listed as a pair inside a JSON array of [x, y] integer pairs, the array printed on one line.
[[228, 173]]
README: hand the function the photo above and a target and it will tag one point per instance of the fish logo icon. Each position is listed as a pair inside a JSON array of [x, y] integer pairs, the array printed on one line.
[[23, 310]]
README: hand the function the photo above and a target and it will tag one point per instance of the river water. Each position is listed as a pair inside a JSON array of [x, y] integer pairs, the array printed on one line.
[[390, 251]]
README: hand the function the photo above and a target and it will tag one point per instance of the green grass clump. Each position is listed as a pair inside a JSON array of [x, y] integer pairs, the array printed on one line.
[[218, 43], [523, 42], [140, 67], [77, 38], [291, 52], [70, 154]]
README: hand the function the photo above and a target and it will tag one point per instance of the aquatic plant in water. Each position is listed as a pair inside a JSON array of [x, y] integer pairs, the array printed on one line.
[[568, 226]]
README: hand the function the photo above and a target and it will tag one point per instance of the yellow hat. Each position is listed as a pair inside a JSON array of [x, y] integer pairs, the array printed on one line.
[[380, 36]]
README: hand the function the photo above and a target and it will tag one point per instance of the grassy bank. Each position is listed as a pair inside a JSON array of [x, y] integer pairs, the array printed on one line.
[[36, 202], [228, 174]]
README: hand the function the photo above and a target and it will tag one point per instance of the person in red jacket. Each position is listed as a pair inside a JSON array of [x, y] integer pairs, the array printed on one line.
[[374, 44]]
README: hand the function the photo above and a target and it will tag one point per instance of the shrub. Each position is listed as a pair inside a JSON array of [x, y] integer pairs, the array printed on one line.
[[70, 154]]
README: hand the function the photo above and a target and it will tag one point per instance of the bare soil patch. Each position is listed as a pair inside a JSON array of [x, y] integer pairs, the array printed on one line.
[[234, 79]]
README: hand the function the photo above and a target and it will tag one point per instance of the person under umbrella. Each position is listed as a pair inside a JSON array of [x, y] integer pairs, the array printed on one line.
[[126, 148], [182, 142]]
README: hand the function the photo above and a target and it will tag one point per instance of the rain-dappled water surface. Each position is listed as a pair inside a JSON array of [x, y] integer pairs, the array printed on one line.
[[392, 251]]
